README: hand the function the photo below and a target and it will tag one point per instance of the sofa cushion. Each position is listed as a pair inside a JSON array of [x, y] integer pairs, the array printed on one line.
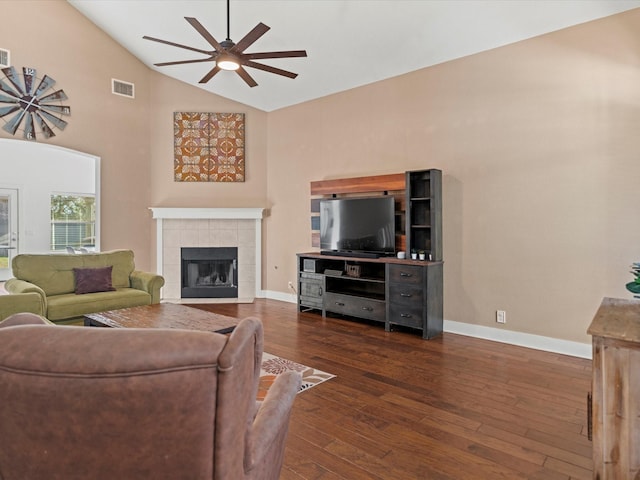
[[62, 307], [54, 273], [91, 280]]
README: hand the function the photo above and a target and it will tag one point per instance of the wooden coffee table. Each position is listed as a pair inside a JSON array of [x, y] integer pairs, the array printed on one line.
[[162, 315]]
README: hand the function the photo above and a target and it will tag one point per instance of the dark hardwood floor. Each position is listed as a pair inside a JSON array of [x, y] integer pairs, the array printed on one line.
[[404, 408]]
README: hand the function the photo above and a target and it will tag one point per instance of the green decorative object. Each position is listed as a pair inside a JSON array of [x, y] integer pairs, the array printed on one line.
[[634, 287]]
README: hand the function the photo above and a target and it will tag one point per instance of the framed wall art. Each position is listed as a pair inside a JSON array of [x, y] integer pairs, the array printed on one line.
[[208, 147]]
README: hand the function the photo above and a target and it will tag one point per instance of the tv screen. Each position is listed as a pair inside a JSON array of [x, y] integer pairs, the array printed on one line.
[[355, 225]]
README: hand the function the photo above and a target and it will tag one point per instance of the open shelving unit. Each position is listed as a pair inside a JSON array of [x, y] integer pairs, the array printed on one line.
[[424, 212]]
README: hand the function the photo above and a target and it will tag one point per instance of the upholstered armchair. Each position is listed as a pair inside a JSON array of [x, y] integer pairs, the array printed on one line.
[[101, 403]]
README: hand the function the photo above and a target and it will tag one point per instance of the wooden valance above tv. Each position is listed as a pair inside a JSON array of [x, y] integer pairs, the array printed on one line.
[[360, 185]]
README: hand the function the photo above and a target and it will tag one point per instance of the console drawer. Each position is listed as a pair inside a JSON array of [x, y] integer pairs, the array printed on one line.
[[355, 306], [409, 316], [408, 294], [405, 274]]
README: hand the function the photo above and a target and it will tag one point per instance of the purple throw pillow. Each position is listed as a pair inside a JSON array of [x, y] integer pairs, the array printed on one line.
[[90, 280]]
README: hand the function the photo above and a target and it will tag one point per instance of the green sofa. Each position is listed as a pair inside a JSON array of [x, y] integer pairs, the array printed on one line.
[[52, 277]]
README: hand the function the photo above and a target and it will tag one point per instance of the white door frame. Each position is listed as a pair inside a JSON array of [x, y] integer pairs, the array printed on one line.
[[12, 241]]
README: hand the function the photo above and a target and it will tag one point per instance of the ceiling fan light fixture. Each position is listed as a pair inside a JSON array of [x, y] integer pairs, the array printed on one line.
[[230, 56], [227, 62]]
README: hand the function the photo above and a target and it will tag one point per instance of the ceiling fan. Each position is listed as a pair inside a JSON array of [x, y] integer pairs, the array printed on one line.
[[228, 55]]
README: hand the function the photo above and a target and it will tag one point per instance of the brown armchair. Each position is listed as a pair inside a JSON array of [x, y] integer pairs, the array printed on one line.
[[101, 403]]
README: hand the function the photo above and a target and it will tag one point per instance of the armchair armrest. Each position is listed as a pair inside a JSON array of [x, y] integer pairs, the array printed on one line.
[[148, 282], [15, 286], [23, 318], [271, 423]]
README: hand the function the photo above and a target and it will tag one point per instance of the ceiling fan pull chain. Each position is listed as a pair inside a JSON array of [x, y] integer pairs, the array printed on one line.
[[228, 16]]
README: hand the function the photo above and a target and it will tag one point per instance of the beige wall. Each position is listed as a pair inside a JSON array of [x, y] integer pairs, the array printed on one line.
[[61, 43], [168, 96], [133, 137], [537, 142]]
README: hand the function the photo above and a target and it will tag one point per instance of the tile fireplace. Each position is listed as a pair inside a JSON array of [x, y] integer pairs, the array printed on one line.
[[204, 230]]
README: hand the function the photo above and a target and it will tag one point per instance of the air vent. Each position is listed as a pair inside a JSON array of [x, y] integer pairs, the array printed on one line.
[[5, 58], [125, 89]]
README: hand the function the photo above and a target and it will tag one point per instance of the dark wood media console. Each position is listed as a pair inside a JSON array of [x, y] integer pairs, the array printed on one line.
[[386, 290]]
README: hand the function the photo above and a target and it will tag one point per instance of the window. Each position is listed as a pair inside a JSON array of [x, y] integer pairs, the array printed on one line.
[[73, 221]]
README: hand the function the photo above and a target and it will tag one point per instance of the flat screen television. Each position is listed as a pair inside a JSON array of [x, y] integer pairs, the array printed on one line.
[[364, 225]]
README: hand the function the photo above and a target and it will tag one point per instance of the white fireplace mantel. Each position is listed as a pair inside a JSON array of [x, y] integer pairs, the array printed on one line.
[[171, 214], [208, 213]]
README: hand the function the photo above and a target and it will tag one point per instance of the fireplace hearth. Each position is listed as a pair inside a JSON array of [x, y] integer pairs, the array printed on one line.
[[209, 272]]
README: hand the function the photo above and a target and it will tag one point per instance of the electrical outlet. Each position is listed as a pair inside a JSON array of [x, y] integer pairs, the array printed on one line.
[[290, 284], [501, 316]]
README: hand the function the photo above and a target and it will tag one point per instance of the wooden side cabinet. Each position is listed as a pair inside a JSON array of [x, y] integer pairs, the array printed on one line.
[[615, 332]]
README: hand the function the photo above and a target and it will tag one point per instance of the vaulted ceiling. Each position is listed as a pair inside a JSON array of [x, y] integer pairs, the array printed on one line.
[[350, 43]]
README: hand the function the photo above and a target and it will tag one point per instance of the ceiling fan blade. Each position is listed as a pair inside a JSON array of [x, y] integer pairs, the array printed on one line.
[[177, 45], [258, 31], [285, 54], [205, 33], [246, 77], [210, 75], [182, 62], [270, 69]]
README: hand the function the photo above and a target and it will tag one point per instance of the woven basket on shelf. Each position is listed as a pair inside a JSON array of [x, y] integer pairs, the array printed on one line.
[[353, 271]]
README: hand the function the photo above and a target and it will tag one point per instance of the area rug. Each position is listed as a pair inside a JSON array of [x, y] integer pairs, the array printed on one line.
[[272, 366]]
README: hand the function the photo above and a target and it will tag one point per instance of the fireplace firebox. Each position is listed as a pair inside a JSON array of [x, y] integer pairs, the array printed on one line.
[[209, 272]]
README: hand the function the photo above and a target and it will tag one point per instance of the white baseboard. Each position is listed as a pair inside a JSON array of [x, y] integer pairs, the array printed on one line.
[[537, 342], [283, 297], [528, 340]]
